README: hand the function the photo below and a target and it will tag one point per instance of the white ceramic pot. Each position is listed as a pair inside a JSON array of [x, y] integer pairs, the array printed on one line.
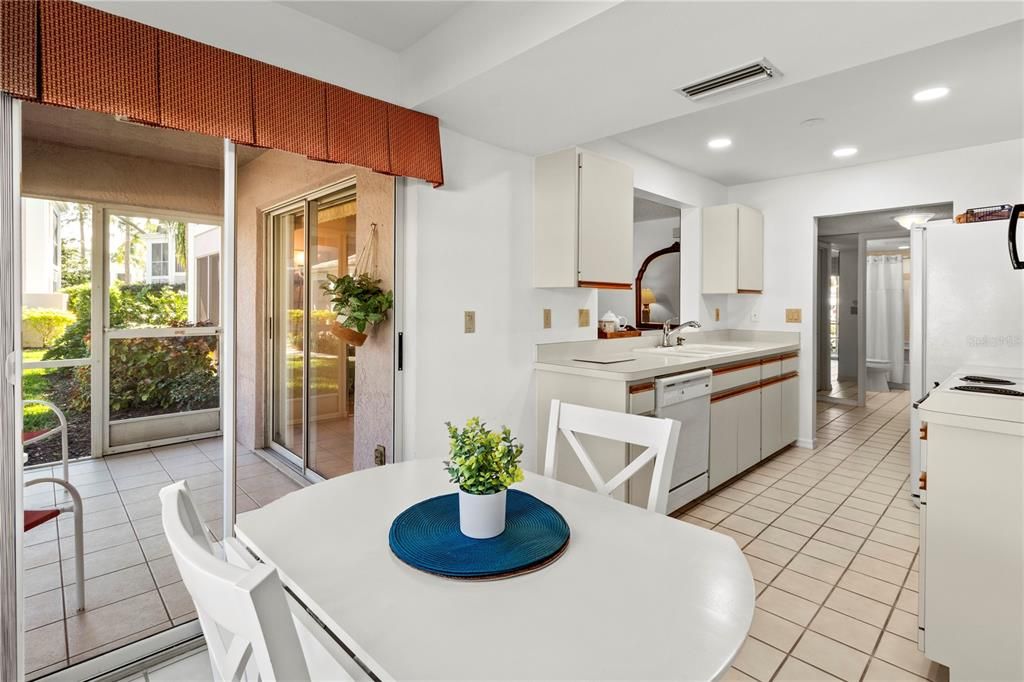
[[481, 516]]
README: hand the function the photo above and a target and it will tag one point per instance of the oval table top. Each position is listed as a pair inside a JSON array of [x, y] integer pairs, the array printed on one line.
[[636, 595]]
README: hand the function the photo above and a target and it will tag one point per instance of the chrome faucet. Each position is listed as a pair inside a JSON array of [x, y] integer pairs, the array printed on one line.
[[668, 331]]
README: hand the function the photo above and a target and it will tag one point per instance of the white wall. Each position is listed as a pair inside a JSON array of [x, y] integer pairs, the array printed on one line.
[[468, 246], [973, 176]]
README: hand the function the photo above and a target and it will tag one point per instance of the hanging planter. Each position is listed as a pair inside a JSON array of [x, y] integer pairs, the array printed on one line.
[[358, 298]]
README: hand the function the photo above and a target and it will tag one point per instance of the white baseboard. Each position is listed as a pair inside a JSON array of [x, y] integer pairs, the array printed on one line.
[[807, 443]]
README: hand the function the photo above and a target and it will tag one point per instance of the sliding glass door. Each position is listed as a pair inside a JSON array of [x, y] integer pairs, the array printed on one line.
[[311, 399]]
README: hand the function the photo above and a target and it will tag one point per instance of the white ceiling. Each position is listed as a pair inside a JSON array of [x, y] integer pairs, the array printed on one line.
[[394, 25], [869, 107], [645, 209], [890, 244], [878, 221]]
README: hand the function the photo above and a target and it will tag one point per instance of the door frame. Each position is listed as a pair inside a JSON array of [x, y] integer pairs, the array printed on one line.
[[304, 201], [862, 287]]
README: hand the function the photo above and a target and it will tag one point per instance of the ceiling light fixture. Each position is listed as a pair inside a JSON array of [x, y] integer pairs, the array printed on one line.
[[911, 220], [719, 143], [843, 152], [904, 247], [931, 94]]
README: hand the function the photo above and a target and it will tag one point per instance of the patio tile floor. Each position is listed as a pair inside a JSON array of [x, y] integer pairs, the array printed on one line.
[[133, 588]]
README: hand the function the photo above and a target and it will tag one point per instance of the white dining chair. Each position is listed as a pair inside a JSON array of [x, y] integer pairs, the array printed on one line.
[[659, 436], [251, 633]]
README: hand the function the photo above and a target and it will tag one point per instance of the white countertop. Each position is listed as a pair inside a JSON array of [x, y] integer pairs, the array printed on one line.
[[565, 357]]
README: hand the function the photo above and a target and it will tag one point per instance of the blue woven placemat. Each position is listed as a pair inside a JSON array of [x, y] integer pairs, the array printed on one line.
[[427, 537]]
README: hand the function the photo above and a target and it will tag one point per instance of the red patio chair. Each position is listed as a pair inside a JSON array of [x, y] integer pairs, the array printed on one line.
[[37, 517]]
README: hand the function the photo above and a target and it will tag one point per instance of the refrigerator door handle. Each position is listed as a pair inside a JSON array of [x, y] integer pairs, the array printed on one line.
[[1012, 237]]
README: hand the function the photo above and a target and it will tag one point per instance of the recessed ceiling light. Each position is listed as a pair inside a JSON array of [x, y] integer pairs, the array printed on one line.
[[930, 94], [843, 152], [719, 143], [904, 247]]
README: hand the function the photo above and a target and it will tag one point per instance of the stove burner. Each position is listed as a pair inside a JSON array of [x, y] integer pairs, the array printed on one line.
[[975, 379], [991, 390]]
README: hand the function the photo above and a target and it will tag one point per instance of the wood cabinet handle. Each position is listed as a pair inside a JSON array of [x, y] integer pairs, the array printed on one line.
[[922, 480], [924, 432]]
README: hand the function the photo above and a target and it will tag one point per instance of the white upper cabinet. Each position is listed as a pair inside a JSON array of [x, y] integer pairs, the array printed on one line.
[[583, 221], [732, 246]]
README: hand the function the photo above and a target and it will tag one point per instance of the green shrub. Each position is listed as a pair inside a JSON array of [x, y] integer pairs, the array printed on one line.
[[482, 461], [47, 323]]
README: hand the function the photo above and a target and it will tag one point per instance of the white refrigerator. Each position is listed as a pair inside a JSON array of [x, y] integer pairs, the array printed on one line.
[[967, 309]]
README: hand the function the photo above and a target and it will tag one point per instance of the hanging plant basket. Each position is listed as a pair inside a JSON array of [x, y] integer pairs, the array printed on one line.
[[349, 336]]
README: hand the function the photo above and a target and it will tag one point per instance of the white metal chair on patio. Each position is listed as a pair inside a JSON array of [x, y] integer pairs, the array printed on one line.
[[249, 628], [659, 436], [37, 517]]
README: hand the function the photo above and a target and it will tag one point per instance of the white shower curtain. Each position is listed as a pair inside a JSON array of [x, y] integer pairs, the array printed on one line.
[[885, 313]]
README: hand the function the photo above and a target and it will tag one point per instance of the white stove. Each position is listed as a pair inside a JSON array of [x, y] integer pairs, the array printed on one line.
[[979, 393]]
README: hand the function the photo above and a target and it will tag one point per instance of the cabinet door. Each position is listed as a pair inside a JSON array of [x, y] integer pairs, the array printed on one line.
[[722, 463], [750, 248], [606, 221], [790, 410], [771, 419], [718, 249], [748, 429]]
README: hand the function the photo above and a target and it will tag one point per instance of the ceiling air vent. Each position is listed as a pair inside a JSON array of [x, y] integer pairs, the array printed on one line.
[[745, 75]]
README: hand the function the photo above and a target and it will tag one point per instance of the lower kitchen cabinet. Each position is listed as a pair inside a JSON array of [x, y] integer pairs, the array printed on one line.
[[771, 419], [790, 409], [735, 435]]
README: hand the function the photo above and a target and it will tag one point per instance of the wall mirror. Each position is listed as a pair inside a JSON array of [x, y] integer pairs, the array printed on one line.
[[655, 295]]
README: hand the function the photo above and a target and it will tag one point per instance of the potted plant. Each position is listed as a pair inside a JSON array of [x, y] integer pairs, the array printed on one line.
[[483, 464], [359, 301]]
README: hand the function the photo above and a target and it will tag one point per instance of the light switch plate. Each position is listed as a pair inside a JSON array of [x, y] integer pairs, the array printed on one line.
[[547, 318], [718, 315], [794, 314], [584, 317], [469, 320]]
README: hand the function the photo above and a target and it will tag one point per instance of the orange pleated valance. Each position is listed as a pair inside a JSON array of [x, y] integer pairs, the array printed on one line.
[[60, 52]]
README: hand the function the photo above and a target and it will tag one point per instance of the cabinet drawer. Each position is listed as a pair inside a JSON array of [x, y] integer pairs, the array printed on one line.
[[641, 398], [790, 363], [733, 377], [770, 368]]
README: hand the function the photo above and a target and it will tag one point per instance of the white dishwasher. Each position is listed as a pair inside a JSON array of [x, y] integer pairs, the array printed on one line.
[[687, 399]]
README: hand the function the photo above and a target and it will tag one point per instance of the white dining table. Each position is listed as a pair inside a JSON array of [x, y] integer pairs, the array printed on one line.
[[635, 596]]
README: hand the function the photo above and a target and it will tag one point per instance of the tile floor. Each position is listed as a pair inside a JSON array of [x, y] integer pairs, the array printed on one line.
[[832, 540], [133, 589], [841, 388]]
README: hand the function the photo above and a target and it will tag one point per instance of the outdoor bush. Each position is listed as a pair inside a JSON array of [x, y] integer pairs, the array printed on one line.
[[47, 323]]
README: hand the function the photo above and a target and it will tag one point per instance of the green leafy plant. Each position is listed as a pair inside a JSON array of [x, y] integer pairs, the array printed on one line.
[[483, 461], [47, 323], [359, 300]]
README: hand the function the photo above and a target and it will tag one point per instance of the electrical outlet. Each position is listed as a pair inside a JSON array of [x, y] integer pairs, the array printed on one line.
[[584, 317], [755, 316], [469, 321], [794, 314], [718, 315], [547, 318]]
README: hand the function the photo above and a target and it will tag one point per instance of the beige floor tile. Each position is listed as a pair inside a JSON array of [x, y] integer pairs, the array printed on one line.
[[781, 495], [784, 538], [807, 514], [903, 624], [898, 540], [724, 504], [788, 606], [908, 601], [112, 587], [858, 606], [831, 656], [96, 627], [757, 513], [897, 526], [777, 554], [697, 522], [795, 525], [873, 588], [769, 503], [771, 629], [105, 561], [893, 555], [45, 646], [861, 530], [40, 554], [758, 660], [177, 599], [795, 670], [826, 552], [41, 579], [802, 586], [913, 581], [708, 513], [816, 568], [742, 539], [839, 538], [97, 540], [743, 525], [880, 671], [762, 570], [883, 570], [43, 608], [904, 654], [849, 631]]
